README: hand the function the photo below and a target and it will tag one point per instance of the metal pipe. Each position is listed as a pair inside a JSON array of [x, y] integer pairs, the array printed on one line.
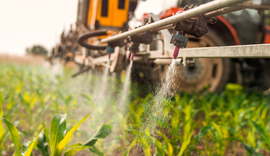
[[164, 27], [227, 10], [222, 11], [253, 6], [202, 9], [167, 61], [211, 14]]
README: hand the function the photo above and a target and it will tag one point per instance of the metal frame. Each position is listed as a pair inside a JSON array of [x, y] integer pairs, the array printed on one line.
[[242, 51], [164, 55]]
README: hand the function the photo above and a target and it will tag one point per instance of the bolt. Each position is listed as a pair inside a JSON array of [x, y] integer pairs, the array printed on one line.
[[191, 62]]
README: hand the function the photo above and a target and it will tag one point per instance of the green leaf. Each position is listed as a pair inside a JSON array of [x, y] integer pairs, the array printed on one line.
[[1, 103], [33, 102], [68, 136], [3, 140], [42, 144], [26, 98], [74, 150], [60, 95], [73, 146], [25, 146], [25, 102], [146, 146], [2, 130], [203, 131], [188, 130], [57, 132], [19, 88], [250, 150], [31, 146], [15, 137], [159, 146], [86, 97], [129, 148], [46, 98], [145, 139], [185, 144], [102, 133], [90, 102], [96, 151], [17, 153], [262, 132], [68, 99]]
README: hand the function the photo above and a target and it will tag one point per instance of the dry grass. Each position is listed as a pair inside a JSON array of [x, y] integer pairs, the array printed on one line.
[[25, 60]]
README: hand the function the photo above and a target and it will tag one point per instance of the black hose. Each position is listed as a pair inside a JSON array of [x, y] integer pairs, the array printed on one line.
[[85, 36], [81, 71]]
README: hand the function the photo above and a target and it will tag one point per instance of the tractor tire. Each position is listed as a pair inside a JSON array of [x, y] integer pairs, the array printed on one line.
[[213, 74], [209, 74]]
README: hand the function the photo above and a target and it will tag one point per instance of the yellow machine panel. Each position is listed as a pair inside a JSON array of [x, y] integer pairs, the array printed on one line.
[[109, 13]]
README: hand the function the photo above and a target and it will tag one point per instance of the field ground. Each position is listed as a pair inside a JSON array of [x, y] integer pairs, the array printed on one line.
[[231, 123]]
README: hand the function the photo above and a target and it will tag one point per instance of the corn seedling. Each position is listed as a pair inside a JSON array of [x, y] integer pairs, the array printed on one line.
[[56, 139]]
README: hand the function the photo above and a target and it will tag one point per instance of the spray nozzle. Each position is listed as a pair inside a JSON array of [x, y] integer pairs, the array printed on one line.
[[175, 52], [131, 56], [179, 41]]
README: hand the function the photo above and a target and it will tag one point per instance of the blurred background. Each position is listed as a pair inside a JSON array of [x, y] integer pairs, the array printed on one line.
[[54, 73], [29, 22]]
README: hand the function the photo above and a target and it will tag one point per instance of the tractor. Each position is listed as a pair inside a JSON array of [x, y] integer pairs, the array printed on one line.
[[243, 24]]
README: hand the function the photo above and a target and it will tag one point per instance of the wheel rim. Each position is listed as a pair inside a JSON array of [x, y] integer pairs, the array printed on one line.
[[206, 73]]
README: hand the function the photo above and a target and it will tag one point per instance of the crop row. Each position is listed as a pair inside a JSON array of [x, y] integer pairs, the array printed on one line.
[[34, 101]]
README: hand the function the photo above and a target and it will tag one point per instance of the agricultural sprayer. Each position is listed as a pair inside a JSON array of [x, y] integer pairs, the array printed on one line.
[[211, 49]]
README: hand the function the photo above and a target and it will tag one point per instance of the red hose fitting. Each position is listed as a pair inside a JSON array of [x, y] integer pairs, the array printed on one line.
[[175, 52], [131, 56]]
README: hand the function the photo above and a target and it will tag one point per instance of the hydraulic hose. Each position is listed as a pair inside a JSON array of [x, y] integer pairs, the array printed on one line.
[[90, 34]]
